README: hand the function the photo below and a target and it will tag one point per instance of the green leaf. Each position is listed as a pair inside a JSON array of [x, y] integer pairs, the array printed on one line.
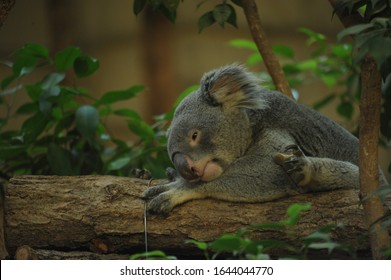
[[330, 246], [226, 243], [34, 91], [200, 245], [119, 163], [33, 127], [138, 6], [65, 59], [345, 109], [49, 88], [26, 58], [24, 64], [313, 36], [221, 13], [254, 59], [11, 151], [59, 160], [87, 120], [380, 49], [152, 255], [169, 13], [309, 64], [283, 50], [141, 129], [7, 81], [353, 30], [127, 113], [342, 50], [51, 80], [119, 95], [294, 213], [85, 65], [27, 109], [243, 44], [330, 79], [64, 123], [171, 4], [232, 18], [205, 20], [36, 50]]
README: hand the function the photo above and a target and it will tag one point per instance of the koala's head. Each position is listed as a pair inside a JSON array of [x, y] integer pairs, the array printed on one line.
[[211, 126]]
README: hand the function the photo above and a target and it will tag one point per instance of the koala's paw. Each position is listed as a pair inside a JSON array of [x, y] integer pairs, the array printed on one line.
[[161, 204], [295, 164], [154, 191], [172, 174], [159, 199]]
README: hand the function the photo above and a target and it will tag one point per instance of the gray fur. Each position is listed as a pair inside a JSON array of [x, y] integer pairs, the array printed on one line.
[[265, 145]]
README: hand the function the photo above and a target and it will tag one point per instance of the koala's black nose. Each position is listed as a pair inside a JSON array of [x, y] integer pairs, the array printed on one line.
[[185, 166]]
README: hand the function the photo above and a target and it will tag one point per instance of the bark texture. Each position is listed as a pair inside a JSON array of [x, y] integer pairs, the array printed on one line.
[[370, 105], [5, 8], [105, 214], [27, 253]]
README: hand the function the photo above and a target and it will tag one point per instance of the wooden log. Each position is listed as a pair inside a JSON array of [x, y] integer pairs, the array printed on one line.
[[77, 213], [27, 253]]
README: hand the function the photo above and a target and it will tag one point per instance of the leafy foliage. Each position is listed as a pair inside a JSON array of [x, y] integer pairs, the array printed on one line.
[[221, 13], [239, 246], [330, 63], [64, 128], [373, 37], [153, 255]]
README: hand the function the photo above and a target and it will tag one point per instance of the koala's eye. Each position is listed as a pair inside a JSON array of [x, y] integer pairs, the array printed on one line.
[[194, 136]]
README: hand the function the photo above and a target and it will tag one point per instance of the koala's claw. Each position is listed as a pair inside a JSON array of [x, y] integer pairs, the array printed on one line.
[[160, 205], [154, 191], [294, 162], [171, 174]]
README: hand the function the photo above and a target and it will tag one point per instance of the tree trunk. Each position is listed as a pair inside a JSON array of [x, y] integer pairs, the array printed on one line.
[[5, 8], [105, 213], [370, 105]]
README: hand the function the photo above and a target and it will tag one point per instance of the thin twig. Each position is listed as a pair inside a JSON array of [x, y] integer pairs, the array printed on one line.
[[259, 36]]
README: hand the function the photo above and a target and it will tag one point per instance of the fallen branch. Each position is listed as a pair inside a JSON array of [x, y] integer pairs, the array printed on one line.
[[106, 212], [28, 253]]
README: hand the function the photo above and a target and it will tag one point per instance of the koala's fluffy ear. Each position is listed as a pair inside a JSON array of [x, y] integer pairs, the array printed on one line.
[[232, 86]]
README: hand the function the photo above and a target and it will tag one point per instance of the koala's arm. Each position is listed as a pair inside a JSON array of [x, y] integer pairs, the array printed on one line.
[[260, 176], [315, 173], [251, 178], [235, 185]]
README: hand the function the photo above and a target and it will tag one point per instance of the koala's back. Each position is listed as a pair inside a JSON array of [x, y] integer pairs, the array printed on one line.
[[317, 135]]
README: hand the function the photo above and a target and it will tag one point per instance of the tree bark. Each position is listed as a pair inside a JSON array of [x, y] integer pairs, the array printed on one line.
[[107, 214], [27, 253], [370, 105], [259, 36], [5, 8]]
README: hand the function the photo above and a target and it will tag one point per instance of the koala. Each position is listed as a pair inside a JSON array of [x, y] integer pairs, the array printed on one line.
[[233, 140]]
